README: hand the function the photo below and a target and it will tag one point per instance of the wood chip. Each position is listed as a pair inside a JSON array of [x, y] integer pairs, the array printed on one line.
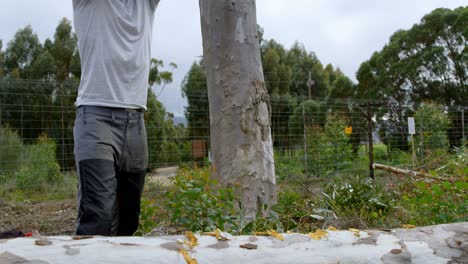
[[130, 244], [81, 237], [249, 246], [43, 242]]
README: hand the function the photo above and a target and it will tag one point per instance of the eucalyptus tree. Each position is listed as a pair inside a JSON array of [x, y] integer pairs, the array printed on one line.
[[194, 88], [427, 62], [21, 52], [241, 143]]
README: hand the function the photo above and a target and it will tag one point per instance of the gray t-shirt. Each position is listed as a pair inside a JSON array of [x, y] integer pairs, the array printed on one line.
[[114, 41]]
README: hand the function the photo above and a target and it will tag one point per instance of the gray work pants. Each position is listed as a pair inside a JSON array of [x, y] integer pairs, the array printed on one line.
[[111, 155]]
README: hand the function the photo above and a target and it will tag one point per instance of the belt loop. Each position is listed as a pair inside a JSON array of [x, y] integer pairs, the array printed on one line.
[[84, 115]]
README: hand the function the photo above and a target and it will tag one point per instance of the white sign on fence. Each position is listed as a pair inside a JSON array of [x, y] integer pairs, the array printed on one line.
[[411, 126]]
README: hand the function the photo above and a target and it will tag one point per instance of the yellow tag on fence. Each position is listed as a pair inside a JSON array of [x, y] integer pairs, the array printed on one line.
[[348, 130]]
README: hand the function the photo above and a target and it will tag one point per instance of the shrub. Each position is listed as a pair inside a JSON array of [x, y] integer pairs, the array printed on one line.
[[10, 152], [294, 211], [434, 124], [198, 205], [169, 153], [360, 197], [328, 148], [147, 221], [39, 166], [431, 203]]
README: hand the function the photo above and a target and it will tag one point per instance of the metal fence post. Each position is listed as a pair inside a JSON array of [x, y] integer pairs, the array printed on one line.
[[463, 127], [305, 137]]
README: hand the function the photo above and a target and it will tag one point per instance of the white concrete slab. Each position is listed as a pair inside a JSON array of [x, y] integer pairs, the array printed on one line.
[[437, 244]]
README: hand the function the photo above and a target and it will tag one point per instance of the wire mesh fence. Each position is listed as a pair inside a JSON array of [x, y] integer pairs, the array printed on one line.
[[311, 136]]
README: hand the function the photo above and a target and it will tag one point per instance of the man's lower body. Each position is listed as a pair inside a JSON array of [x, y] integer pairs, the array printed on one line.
[[111, 154]]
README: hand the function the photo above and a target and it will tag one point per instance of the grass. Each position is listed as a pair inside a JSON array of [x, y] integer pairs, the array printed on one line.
[[46, 192], [406, 200]]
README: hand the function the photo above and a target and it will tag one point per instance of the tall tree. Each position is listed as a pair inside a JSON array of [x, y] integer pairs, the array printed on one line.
[[194, 88], [43, 67], [426, 62], [2, 62], [239, 103], [21, 52], [303, 65], [64, 49], [160, 131]]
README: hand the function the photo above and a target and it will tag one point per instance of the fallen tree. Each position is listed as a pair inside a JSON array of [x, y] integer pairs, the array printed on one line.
[[399, 171], [433, 244]]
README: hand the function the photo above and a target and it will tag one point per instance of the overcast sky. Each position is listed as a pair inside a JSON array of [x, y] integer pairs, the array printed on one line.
[[342, 32]]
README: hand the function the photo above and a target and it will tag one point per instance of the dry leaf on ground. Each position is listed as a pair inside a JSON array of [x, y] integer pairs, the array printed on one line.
[[187, 257], [272, 233], [318, 234]]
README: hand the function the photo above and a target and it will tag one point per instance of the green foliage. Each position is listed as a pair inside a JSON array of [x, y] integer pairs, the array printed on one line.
[[261, 223], [10, 152], [169, 153], [21, 52], [286, 73], [339, 148], [47, 192], [167, 142], [457, 165], [2, 59], [342, 87], [39, 166], [198, 204], [43, 66], [328, 147], [63, 50], [294, 211], [147, 220], [276, 71], [434, 123], [360, 197], [285, 164], [380, 152], [431, 203], [194, 88], [308, 113], [426, 62], [156, 76]]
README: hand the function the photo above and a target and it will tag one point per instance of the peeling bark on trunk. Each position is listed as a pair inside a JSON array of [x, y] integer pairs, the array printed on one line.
[[241, 144]]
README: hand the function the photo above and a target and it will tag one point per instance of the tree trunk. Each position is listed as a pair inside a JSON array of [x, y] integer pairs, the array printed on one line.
[[239, 103]]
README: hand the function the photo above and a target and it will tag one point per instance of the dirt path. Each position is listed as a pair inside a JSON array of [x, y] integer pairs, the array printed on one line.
[[49, 218], [162, 175]]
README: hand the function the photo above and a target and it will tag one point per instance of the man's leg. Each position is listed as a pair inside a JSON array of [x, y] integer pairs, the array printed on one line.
[[97, 184], [131, 177], [97, 192], [130, 187]]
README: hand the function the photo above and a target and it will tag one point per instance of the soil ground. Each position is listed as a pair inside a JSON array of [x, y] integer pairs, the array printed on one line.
[[49, 218], [56, 217]]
